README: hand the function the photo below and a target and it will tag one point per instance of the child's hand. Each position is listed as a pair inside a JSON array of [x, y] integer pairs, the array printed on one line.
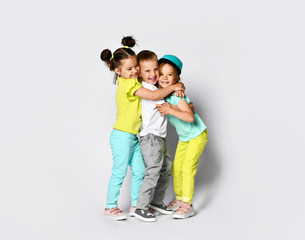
[[179, 87], [179, 90], [179, 93], [164, 108]]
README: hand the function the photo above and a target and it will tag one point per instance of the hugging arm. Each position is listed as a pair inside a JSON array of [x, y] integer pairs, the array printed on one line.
[[160, 93], [190, 105]]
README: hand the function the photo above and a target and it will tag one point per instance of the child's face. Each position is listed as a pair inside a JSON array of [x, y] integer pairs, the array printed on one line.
[[168, 75], [149, 71], [129, 68]]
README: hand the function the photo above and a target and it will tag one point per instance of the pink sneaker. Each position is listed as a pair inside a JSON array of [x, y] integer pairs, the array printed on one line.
[[114, 214], [185, 210], [174, 205], [131, 211]]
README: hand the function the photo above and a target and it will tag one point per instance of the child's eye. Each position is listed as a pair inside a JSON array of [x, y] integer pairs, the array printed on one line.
[[128, 69]]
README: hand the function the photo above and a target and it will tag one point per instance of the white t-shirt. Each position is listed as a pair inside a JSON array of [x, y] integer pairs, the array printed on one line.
[[152, 121]]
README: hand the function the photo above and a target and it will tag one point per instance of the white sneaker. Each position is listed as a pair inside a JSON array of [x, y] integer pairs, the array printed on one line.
[[131, 211]]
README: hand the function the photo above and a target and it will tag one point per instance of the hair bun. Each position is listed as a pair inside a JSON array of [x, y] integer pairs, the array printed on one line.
[[106, 55], [128, 41]]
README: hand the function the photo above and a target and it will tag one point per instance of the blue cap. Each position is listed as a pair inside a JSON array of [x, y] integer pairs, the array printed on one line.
[[172, 60]]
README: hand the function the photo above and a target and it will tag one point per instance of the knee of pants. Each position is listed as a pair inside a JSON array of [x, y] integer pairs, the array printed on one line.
[[189, 172], [167, 172], [138, 173], [152, 180], [119, 173], [138, 169], [177, 169]]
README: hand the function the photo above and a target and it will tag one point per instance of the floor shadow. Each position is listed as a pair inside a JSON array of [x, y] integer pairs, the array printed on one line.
[[207, 176]]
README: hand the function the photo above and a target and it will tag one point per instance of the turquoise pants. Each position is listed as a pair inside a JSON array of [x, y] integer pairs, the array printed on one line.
[[126, 152]]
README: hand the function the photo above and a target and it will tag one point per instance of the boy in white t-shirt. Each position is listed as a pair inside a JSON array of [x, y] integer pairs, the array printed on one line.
[[153, 145]]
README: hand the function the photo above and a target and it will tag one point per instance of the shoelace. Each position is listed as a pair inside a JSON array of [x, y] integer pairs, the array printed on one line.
[[148, 214], [115, 211], [183, 208]]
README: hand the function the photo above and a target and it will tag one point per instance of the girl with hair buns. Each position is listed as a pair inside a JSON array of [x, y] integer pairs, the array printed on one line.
[[123, 139]]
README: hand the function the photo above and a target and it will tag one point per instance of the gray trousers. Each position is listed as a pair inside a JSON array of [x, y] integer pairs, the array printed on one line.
[[158, 170]]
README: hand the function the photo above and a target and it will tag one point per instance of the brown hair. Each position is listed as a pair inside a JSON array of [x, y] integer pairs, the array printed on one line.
[[114, 60], [146, 55], [176, 73]]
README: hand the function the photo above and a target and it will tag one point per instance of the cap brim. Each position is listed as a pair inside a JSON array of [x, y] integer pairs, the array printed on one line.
[[164, 60]]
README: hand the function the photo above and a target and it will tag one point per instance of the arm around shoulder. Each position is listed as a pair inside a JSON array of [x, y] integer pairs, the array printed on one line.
[[160, 93], [153, 95]]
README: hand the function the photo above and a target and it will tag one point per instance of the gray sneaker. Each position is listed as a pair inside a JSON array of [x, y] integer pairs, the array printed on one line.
[[145, 215], [162, 208]]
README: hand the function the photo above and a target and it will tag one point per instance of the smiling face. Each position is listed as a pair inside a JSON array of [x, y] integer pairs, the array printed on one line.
[[129, 68], [168, 75], [149, 70]]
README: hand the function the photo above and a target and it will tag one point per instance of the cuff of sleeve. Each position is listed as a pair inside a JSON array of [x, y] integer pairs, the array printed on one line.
[[130, 93]]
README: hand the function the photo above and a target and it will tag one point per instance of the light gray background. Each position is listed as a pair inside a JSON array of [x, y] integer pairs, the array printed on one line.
[[244, 70]]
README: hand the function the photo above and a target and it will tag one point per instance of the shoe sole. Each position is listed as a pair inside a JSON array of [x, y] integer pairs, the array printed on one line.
[[145, 219], [116, 218], [167, 212], [178, 216], [131, 214]]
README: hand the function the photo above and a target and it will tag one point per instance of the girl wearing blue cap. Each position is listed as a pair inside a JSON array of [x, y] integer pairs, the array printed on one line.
[[192, 134]]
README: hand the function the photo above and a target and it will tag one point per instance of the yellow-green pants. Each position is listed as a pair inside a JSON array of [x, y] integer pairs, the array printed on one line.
[[185, 166]]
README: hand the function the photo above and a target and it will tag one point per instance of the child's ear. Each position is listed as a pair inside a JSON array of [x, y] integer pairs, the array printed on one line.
[[117, 71]]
